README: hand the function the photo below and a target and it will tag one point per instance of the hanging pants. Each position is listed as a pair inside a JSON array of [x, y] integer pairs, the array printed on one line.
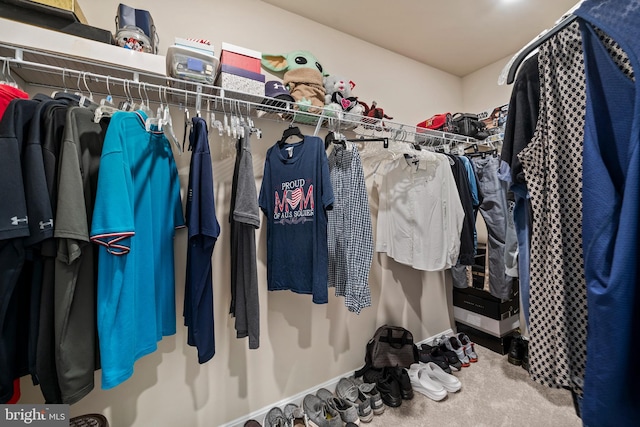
[[493, 209]]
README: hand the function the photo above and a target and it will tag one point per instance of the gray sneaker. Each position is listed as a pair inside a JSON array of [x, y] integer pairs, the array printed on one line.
[[319, 413], [453, 344], [371, 392], [347, 389], [347, 410], [295, 416], [275, 418]]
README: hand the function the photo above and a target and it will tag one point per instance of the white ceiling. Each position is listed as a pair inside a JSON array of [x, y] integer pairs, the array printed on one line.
[[456, 36]]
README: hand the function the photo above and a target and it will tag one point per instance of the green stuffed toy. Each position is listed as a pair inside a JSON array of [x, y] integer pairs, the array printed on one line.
[[302, 76]]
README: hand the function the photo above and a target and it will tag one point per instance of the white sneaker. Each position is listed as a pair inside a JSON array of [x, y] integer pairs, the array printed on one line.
[[423, 383], [436, 373]]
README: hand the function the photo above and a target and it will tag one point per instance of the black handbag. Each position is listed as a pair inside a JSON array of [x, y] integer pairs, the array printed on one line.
[[469, 125]]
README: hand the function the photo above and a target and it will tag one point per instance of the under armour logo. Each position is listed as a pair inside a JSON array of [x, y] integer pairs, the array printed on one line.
[[15, 220], [278, 86], [46, 224]]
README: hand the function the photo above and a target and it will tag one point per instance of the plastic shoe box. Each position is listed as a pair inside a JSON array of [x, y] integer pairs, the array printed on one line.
[[191, 64], [499, 345]]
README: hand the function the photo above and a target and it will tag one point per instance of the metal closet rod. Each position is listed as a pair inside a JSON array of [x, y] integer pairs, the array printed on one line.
[[396, 131], [128, 84]]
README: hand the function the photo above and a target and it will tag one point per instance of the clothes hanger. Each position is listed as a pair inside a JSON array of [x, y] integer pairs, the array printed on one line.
[[252, 127], [289, 132], [167, 128], [64, 84], [127, 104], [508, 73], [83, 99], [187, 122], [151, 119], [6, 78], [334, 138], [213, 123], [106, 107]]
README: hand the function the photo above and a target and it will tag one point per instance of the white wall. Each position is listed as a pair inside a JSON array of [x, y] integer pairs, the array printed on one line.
[[480, 89], [302, 344]]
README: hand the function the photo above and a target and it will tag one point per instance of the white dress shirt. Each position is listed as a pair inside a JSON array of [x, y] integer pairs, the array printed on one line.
[[420, 214]]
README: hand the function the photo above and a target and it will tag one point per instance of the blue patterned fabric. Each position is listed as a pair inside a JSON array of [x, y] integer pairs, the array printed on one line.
[[611, 210], [349, 231]]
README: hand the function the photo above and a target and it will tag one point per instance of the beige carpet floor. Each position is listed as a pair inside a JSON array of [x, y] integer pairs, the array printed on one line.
[[494, 393]]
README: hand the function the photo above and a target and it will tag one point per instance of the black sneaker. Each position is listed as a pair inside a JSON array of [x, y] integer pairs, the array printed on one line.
[[450, 356], [401, 376], [516, 351], [525, 356], [426, 355], [389, 390]]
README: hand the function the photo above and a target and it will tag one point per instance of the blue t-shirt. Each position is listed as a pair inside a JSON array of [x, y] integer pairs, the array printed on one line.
[[203, 232], [136, 211], [295, 195]]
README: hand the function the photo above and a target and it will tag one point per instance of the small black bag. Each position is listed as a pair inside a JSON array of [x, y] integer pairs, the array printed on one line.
[[469, 125], [391, 346]]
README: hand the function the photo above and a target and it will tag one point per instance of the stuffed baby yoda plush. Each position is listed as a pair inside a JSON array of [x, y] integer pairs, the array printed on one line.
[[302, 76]]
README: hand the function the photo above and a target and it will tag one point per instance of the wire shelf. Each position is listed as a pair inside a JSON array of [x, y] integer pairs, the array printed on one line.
[[75, 74]]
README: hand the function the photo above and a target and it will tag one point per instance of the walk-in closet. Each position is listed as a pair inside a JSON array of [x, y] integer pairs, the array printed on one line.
[[271, 213]]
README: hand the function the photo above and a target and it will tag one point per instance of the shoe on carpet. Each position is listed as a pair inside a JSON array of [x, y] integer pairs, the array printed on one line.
[[389, 390], [371, 391], [424, 384], [453, 344], [448, 381], [468, 347], [318, 412], [516, 350], [525, 354], [348, 390], [428, 353], [401, 376], [347, 411], [295, 416], [442, 352], [275, 418]]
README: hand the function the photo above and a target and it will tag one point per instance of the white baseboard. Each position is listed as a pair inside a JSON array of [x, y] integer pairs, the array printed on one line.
[[297, 398]]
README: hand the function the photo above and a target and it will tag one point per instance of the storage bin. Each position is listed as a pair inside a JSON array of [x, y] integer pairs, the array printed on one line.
[[240, 57], [247, 83], [189, 64]]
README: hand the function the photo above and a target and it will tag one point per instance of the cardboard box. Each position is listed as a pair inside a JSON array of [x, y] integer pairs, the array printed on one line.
[[240, 57], [70, 5], [494, 327], [499, 345], [482, 302], [241, 80], [52, 18]]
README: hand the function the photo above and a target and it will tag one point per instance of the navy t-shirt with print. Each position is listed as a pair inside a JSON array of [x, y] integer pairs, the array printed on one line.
[[296, 192]]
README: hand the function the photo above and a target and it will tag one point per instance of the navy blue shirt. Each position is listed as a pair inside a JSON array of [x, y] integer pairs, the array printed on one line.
[[203, 233], [295, 195]]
